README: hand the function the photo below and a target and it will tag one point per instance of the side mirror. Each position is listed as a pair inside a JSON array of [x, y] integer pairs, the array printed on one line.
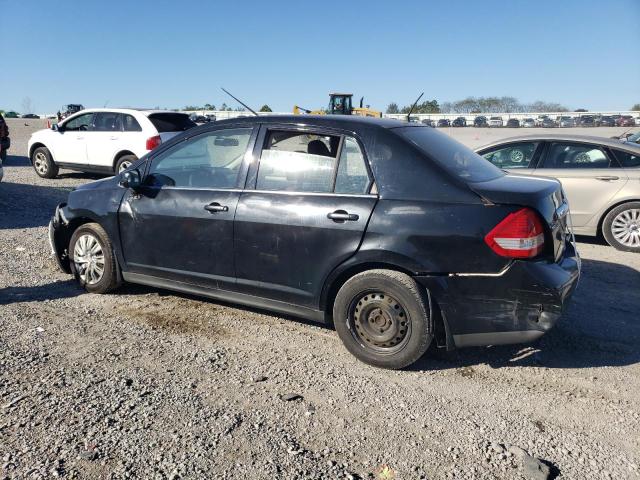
[[130, 179]]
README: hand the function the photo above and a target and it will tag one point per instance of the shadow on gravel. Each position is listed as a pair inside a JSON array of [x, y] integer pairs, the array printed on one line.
[[601, 328], [26, 206], [39, 293], [16, 161]]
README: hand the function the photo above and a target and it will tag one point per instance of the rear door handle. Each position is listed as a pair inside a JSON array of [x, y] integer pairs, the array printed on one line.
[[340, 216], [216, 207], [607, 178]]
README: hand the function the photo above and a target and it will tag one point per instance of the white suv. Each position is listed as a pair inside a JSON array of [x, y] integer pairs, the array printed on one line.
[[103, 140]]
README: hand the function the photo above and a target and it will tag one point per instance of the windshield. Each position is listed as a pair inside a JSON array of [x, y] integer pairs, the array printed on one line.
[[451, 155], [634, 138]]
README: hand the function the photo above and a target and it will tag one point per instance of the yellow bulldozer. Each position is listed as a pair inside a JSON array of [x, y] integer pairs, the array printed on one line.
[[341, 104]]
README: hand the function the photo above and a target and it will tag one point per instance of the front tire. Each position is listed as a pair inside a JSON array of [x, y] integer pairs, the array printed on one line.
[[92, 260], [382, 318], [43, 163], [621, 227]]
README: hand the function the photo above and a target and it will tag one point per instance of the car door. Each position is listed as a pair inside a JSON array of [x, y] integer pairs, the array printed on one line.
[[589, 175], [103, 141], [516, 157], [304, 211], [179, 225], [70, 146]]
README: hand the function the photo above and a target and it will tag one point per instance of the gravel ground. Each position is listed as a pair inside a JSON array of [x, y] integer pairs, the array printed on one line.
[[150, 384]]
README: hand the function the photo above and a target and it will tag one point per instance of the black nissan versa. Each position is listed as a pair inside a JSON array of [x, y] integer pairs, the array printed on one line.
[[395, 233]]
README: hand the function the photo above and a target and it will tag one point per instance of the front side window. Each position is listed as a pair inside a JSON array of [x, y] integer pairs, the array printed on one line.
[[574, 155], [79, 123], [107, 122], [212, 160], [352, 177], [298, 162], [514, 155]]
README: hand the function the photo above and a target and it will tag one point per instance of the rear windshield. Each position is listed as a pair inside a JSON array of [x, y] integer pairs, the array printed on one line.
[[171, 122], [451, 155]]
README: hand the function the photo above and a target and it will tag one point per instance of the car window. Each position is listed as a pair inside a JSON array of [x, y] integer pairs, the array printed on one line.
[[171, 122], [352, 176], [514, 155], [573, 155], [130, 124], [298, 162], [79, 123], [107, 122], [212, 160], [627, 159]]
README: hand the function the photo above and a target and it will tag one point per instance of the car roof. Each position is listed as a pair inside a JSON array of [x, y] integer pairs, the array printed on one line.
[[337, 121], [143, 111], [608, 142]]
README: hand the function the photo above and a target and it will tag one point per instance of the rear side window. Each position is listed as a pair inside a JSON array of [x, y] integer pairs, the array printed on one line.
[[514, 155], [451, 155], [352, 177], [628, 159], [130, 124], [171, 122], [574, 155], [298, 162], [107, 122]]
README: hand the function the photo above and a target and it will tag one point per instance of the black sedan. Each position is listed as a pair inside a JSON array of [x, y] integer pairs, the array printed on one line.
[[394, 233], [443, 122], [480, 121], [513, 123], [459, 122]]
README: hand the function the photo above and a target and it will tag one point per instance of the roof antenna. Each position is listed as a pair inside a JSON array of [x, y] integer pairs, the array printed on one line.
[[413, 106], [243, 104]]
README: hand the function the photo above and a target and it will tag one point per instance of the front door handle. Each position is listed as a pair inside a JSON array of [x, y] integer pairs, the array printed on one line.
[[340, 216], [216, 207], [607, 178]]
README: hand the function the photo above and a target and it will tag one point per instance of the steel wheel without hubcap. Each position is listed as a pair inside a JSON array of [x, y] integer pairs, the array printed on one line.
[[88, 258], [626, 227], [40, 163], [379, 323]]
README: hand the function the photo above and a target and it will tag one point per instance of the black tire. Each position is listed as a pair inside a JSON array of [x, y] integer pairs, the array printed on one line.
[[391, 301], [124, 162], [109, 279], [43, 163], [613, 224]]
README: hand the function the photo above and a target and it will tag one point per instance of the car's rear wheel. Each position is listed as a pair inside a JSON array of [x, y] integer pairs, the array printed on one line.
[[621, 227], [92, 260], [124, 162], [382, 318], [43, 163]]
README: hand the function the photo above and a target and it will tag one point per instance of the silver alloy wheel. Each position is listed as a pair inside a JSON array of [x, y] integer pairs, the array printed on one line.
[[124, 165], [626, 227], [88, 259], [40, 163]]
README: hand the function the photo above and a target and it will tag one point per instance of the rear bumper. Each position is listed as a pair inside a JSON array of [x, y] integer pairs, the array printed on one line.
[[517, 305]]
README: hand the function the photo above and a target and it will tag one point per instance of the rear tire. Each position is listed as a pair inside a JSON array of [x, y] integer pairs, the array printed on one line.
[[621, 227], [43, 163], [382, 318], [92, 260], [124, 162]]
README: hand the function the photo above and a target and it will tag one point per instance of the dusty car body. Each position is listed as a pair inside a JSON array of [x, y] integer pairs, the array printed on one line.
[[401, 204]]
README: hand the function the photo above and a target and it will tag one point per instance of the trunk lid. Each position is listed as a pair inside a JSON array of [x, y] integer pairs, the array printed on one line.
[[544, 195]]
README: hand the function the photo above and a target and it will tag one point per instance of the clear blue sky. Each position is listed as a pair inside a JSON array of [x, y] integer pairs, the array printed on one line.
[[581, 53]]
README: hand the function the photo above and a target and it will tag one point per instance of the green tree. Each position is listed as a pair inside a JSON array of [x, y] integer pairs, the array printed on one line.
[[208, 106], [636, 107], [393, 108], [265, 108]]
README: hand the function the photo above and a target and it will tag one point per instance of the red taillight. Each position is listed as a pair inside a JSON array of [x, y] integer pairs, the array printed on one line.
[[153, 142], [520, 235]]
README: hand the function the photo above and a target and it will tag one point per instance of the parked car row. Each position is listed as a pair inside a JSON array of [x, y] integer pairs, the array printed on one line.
[[543, 121]]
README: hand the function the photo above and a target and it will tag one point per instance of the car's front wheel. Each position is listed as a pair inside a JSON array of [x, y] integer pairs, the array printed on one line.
[[382, 318], [621, 227], [92, 260], [43, 163]]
